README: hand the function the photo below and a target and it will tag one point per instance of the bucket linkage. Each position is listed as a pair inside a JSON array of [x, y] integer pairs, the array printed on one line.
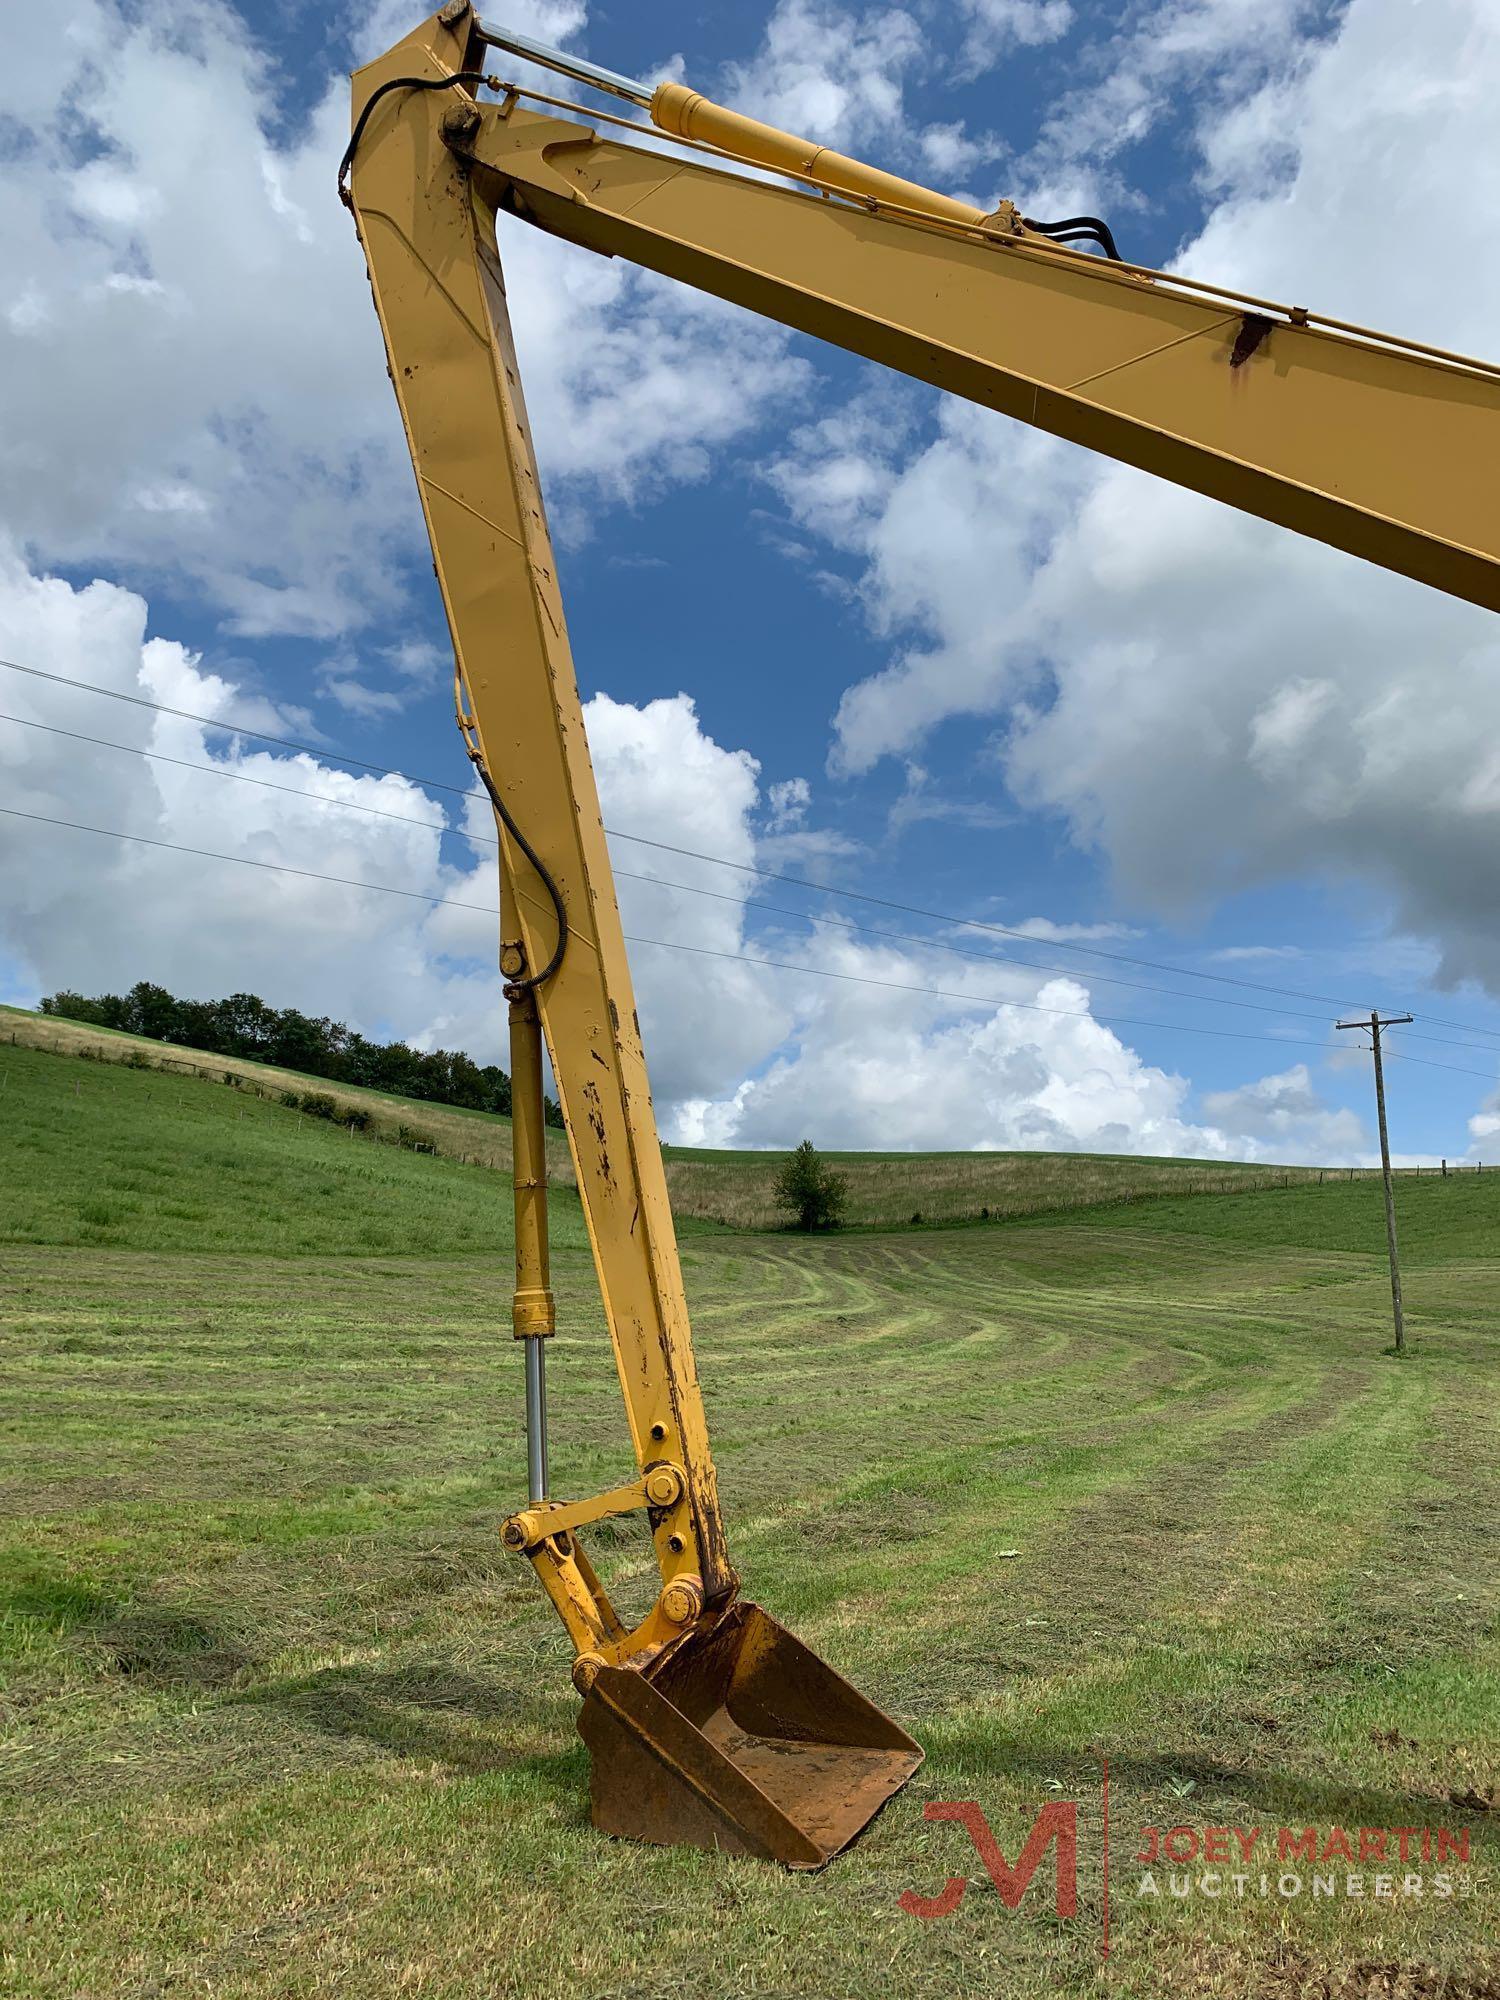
[[709, 1725]]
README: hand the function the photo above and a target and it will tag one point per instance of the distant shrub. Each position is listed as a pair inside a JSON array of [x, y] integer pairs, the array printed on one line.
[[809, 1192], [318, 1104]]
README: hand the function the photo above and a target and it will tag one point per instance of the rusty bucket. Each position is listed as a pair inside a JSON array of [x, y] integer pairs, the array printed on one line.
[[744, 1741]]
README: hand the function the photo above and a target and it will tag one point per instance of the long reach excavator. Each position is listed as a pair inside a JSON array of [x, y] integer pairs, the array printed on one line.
[[707, 1722]]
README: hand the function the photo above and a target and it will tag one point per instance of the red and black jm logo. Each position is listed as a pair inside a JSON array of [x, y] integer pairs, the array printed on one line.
[[1054, 1823]]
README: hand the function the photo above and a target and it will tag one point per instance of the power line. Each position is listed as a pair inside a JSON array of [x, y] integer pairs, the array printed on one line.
[[248, 861], [705, 951], [960, 951], [696, 889], [667, 847], [1110, 1020], [669, 944], [766, 874], [1114, 957], [982, 924], [686, 888], [244, 777], [1425, 1062], [240, 729]]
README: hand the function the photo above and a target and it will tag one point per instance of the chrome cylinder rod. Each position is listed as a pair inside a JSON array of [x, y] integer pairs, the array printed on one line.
[[533, 1315], [564, 64], [537, 1479]]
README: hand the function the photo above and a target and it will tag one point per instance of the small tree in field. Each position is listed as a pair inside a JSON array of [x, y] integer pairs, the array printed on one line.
[[810, 1192]]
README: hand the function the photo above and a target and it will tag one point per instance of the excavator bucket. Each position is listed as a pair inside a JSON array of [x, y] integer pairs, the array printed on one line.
[[744, 1741]]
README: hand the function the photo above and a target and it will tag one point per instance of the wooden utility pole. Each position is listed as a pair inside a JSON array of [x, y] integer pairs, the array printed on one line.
[[1372, 1028]]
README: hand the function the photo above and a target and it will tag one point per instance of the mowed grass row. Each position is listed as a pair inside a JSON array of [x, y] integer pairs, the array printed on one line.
[[281, 1717]]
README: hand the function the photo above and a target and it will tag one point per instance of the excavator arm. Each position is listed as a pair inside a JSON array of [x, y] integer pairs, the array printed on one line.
[[706, 1720]]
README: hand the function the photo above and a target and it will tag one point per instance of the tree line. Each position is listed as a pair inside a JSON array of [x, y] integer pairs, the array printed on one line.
[[244, 1025]]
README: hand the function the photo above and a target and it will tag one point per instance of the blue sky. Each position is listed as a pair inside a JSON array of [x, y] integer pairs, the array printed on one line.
[[993, 678]]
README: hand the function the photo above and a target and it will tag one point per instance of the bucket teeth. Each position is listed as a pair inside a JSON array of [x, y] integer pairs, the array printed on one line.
[[742, 1740]]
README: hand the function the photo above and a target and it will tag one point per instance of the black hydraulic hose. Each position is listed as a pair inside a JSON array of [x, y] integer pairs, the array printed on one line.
[[394, 83], [503, 814], [1078, 228], [501, 810]]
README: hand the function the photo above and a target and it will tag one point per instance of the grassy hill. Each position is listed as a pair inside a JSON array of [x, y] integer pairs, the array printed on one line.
[[733, 1189], [476, 1138], [888, 1189], [1437, 1219], [279, 1716], [101, 1155]]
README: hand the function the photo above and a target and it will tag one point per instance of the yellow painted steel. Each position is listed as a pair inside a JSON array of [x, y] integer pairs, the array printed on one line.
[[1370, 444], [657, 1488], [533, 1313], [687, 114], [1377, 446], [428, 239]]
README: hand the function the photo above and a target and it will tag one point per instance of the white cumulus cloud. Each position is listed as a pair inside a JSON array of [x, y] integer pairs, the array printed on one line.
[[191, 388], [192, 384], [742, 1051], [1207, 701]]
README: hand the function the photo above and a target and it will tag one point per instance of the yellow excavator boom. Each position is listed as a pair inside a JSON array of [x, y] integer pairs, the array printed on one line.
[[708, 1722]]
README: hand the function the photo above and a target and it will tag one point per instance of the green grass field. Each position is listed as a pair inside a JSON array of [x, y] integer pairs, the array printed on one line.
[[281, 1718], [732, 1189]]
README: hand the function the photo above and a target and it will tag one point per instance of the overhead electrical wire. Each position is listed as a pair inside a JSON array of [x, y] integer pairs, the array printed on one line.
[[704, 951], [686, 888], [667, 847], [321, 751], [326, 751], [244, 778], [716, 895]]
